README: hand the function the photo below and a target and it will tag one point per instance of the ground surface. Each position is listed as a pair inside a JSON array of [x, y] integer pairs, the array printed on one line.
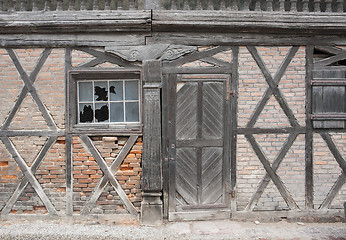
[[54, 229]]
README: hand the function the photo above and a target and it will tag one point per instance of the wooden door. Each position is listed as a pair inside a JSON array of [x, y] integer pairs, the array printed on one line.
[[199, 154]]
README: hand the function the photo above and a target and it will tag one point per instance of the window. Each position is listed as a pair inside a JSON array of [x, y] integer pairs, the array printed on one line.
[[105, 100], [329, 98]]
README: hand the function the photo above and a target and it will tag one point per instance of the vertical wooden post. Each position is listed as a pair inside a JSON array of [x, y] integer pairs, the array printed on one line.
[[269, 5], [317, 5], [68, 143], [152, 4], [309, 191], [305, 5], [234, 123], [340, 5], [293, 5], [152, 213], [282, 5]]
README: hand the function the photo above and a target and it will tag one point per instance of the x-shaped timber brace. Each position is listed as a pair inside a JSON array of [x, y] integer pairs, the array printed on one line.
[[108, 174], [28, 172], [100, 58], [54, 132], [296, 128]]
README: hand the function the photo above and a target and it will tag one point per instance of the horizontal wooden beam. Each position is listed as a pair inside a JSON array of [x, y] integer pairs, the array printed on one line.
[[47, 133], [260, 22], [83, 22], [298, 130], [75, 39]]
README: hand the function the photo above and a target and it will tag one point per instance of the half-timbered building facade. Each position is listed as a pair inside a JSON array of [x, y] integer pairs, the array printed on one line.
[[172, 109]]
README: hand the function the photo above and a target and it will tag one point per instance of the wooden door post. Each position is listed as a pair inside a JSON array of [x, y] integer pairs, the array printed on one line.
[[152, 166]]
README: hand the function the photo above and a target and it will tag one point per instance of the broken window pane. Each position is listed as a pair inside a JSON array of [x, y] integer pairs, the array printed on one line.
[[101, 91], [116, 90], [117, 112], [132, 111], [131, 90], [85, 91], [101, 112], [86, 113]]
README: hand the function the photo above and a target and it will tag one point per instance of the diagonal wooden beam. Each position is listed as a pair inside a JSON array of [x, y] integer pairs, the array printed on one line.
[[103, 181], [108, 174], [24, 92], [32, 90], [334, 150], [329, 49], [107, 57], [332, 193], [217, 62], [330, 60], [92, 63], [273, 87], [266, 96], [24, 182], [266, 179], [196, 56], [29, 175], [275, 178]]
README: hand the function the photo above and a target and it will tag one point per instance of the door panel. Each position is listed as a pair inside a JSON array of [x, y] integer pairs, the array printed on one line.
[[198, 174]]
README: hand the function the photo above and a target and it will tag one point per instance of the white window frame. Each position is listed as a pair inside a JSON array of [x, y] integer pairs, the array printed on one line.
[[72, 116]]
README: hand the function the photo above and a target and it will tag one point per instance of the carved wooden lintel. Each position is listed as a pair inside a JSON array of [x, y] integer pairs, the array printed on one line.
[[164, 52]]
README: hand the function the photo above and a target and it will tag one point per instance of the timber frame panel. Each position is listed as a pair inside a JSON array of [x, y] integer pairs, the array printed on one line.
[[158, 43]]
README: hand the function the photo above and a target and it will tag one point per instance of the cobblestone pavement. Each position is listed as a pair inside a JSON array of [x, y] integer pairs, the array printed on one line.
[[54, 229]]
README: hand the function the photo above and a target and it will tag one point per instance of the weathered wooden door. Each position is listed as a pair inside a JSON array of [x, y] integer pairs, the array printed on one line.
[[198, 132]]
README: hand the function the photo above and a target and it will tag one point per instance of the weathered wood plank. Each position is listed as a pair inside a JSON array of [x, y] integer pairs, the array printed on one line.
[[195, 56], [241, 39], [107, 57], [199, 215], [165, 146], [334, 150], [151, 163], [271, 130], [265, 22], [108, 173], [199, 142], [29, 175], [335, 189], [172, 91], [65, 22], [44, 133], [234, 87], [69, 174], [309, 183], [71, 40], [196, 70]]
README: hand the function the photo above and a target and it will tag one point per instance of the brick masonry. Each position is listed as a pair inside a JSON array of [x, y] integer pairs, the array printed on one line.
[[51, 174]]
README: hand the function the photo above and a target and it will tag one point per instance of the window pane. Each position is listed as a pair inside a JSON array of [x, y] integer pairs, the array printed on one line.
[[117, 112], [101, 112], [85, 91], [132, 111], [86, 113], [116, 90], [101, 91], [131, 90]]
